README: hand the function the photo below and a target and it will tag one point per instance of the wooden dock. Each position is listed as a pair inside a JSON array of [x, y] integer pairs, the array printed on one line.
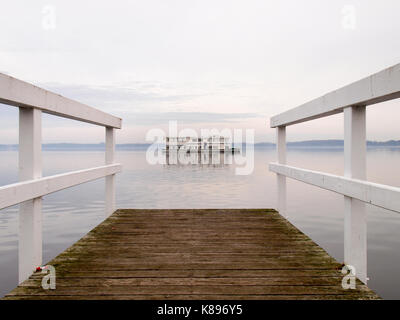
[[194, 254]]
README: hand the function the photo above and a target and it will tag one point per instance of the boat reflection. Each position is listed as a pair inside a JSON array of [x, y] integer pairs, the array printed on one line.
[[198, 158]]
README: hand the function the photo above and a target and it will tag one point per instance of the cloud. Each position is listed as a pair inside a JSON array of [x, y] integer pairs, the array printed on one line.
[[188, 117], [154, 103], [139, 104], [139, 92], [199, 61]]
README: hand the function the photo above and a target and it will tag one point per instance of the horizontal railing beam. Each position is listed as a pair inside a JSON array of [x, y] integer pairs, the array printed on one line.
[[379, 87], [18, 93], [376, 194], [13, 194]]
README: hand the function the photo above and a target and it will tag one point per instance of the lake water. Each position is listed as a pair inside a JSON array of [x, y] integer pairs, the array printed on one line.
[[71, 213]]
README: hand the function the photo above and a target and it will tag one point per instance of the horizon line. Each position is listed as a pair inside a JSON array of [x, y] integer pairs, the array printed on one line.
[[149, 143]]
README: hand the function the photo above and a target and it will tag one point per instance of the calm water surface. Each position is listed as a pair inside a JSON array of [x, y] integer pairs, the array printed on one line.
[[71, 213]]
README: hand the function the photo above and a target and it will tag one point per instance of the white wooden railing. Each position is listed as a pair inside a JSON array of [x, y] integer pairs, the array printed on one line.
[[32, 101], [352, 100]]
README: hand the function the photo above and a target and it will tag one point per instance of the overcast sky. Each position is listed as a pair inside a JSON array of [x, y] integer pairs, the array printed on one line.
[[220, 63]]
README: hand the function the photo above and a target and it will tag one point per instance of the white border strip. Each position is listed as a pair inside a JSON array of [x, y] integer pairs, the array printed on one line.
[[22, 94], [379, 87], [376, 194], [13, 194]]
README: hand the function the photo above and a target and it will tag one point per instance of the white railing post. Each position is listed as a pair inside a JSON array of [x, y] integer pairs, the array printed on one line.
[[110, 180], [355, 223], [30, 212], [281, 180]]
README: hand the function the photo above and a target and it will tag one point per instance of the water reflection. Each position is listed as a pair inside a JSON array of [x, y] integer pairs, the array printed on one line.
[[216, 159], [208, 181]]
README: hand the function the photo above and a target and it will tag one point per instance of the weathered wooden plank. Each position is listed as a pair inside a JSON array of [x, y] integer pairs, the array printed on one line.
[[183, 289], [95, 296], [198, 273], [194, 254], [105, 281]]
